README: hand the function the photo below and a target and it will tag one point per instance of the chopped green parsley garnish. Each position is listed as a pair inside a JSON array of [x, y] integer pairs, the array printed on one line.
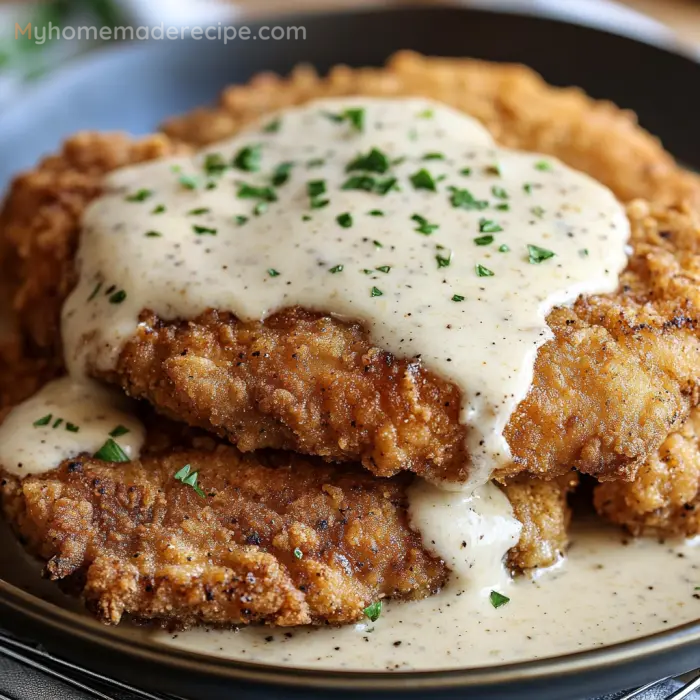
[[383, 268], [281, 174], [537, 211], [188, 182], [153, 234], [368, 183], [214, 164], [345, 220], [315, 163], [498, 599], [543, 165], [502, 207], [443, 261], [43, 421], [260, 208], [503, 248], [250, 192], [189, 478], [95, 291], [248, 158], [537, 255], [273, 127], [72, 428], [240, 219], [494, 170], [376, 292], [434, 156], [139, 196], [489, 226], [111, 452], [376, 212], [315, 188], [306, 217], [583, 252], [57, 422], [118, 297], [336, 269], [527, 188], [377, 244], [356, 117], [423, 180], [482, 271], [499, 192], [159, 209], [426, 114], [373, 611], [119, 431], [374, 162], [298, 554], [204, 230], [466, 172], [198, 212], [464, 199], [368, 272], [319, 203], [273, 273], [483, 240], [457, 297], [424, 226]]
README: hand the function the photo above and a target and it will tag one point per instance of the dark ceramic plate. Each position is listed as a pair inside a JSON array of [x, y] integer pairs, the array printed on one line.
[[133, 88]]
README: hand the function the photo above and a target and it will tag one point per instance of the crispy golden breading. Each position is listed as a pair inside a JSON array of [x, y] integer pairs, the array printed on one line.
[[137, 542], [512, 101], [543, 510], [619, 376], [664, 499]]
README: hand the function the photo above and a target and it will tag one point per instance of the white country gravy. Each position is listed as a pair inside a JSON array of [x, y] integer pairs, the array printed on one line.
[[405, 215]]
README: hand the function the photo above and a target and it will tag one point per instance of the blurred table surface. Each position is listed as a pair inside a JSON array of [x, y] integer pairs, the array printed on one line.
[[681, 15]]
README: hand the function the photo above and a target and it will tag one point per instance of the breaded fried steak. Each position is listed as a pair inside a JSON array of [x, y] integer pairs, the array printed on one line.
[[270, 538]]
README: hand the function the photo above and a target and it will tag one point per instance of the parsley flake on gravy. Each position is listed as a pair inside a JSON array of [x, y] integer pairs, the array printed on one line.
[[489, 226], [139, 196], [43, 421], [424, 226], [464, 199], [204, 230], [119, 431], [543, 165], [159, 209], [537, 255], [374, 291], [443, 261], [498, 599], [118, 297], [248, 158], [373, 611], [246, 191], [281, 174], [337, 268], [354, 115], [423, 180], [344, 220], [374, 162], [457, 297], [483, 240], [482, 271], [273, 127], [273, 273], [111, 452], [189, 478]]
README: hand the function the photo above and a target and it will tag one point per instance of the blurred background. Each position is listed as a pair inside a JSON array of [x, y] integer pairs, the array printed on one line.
[[23, 61]]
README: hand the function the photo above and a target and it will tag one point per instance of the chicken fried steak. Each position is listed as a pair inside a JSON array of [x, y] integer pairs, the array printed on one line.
[[264, 538]]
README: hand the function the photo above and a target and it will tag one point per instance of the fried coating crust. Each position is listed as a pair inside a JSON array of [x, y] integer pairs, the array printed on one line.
[[542, 508], [664, 499], [619, 376], [137, 542]]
